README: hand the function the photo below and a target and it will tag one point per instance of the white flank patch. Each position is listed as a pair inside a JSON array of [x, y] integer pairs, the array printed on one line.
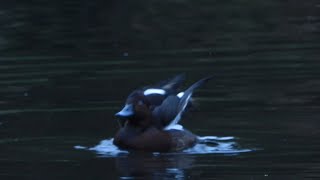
[[154, 91]]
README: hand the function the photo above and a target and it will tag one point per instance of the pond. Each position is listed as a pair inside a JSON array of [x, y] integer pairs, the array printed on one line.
[[66, 67]]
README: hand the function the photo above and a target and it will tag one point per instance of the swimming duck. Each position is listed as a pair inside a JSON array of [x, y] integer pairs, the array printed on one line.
[[149, 120]]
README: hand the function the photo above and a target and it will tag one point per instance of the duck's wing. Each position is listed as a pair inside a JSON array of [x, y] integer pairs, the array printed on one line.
[[156, 94], [163, 115], [170, 111], [173, 83], [184, 100], [167, 85], [188, 93]]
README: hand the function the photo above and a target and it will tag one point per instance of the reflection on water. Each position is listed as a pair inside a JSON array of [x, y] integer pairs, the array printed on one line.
[[164, 165], [154, 166]]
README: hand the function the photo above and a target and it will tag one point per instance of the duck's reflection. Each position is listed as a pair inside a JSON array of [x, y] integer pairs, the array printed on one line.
[[164, 165], [153, 166]]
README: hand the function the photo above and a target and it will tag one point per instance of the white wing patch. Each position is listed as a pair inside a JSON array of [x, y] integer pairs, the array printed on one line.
[[180, 94], [154, 91], [174, 126]]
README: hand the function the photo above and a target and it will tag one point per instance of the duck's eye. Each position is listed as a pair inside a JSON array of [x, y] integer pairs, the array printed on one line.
[[140, 103]]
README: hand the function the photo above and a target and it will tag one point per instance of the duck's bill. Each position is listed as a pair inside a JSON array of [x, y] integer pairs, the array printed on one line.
[[126, 112]]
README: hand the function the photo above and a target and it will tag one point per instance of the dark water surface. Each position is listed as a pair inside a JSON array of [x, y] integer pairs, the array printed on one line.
[[67, 66]]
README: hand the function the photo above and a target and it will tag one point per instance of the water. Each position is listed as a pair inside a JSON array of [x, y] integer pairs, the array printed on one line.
[[67, 67]]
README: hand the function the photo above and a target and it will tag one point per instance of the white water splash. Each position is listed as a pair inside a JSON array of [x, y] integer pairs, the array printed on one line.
[[206, 145], [215, 138], [105, 148], [216, 145]]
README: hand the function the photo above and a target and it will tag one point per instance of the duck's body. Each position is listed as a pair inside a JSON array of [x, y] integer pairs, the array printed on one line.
[[154, 140], [151, 115]]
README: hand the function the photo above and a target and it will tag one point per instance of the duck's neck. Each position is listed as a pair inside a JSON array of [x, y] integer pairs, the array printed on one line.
[[139, 122]]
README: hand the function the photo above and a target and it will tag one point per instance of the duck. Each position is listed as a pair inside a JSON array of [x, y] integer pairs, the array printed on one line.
[[149, 120]]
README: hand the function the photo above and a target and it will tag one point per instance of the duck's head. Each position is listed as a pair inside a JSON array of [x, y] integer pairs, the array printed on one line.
[[136, 110]]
